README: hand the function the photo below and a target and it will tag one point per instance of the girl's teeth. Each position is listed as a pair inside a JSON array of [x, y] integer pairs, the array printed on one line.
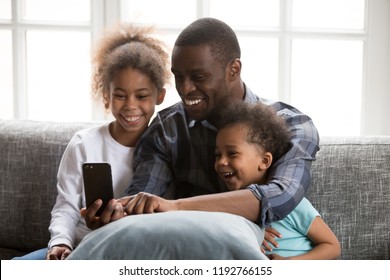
[[132, 119]]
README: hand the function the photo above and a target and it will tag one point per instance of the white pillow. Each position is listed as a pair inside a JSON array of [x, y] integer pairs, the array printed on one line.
[[176, 235]]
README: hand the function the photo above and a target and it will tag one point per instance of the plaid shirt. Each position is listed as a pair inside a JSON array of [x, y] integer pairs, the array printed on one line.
[[177, 153]]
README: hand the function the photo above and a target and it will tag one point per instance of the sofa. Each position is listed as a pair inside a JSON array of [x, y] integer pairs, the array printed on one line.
[[350, 187]]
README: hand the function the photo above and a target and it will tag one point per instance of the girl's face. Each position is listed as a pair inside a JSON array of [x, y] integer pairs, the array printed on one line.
[[238, 162], [133, 97]]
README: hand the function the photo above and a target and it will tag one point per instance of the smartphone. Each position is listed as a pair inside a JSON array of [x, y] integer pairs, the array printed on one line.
[[97, 183]]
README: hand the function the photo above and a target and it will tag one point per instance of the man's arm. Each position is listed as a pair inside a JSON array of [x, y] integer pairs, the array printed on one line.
[[289, 181], [240, 202], [152, 160], [289, 177]]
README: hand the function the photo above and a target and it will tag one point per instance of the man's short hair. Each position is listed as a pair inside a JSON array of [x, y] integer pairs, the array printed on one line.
[[214, 33]]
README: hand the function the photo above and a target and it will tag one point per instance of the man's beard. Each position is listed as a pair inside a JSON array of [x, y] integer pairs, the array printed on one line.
[[214, 115]]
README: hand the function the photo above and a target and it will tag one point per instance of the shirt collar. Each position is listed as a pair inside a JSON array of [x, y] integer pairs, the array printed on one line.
[[250, 97], [203, 123]]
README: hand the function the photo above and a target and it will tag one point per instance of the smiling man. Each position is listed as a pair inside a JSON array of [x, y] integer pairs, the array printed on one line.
[[175, 156], [178, 149]]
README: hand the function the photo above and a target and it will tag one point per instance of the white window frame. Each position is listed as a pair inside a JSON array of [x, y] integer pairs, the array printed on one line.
[[375, 37], [99, 18], [376, 58], [376, 62], [376, 83]]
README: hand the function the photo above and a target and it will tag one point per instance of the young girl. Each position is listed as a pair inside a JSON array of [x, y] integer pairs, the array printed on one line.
[[250, 139], [130, 71]]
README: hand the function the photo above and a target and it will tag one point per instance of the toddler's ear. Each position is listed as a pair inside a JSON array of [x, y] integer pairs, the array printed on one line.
[[161, 96], [265, 161]]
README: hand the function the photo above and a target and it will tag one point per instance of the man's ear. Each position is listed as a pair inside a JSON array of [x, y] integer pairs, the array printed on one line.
[[265, 161], [161, 96], [234, 69]]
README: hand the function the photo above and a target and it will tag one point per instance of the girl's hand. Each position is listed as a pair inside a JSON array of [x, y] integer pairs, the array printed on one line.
[[58, 252], [113, 211]]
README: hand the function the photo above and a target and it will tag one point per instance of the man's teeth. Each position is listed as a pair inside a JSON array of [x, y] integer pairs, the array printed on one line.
[[190, 102], [132, 118]]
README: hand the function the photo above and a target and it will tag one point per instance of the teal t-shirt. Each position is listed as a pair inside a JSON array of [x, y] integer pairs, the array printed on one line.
[[294, 230]]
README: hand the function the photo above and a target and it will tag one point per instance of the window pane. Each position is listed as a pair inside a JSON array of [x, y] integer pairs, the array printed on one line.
[[326, 84], [338, 14], [171, 97], [246, 13], [58, 10], [167, 12], [259, 58], [58, 75], [6, 96], [5, 9]]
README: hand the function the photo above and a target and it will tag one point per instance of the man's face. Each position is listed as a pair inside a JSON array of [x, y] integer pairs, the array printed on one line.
[[200, 80]]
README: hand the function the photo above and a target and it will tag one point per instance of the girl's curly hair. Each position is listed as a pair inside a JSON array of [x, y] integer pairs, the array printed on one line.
[[124, 46]]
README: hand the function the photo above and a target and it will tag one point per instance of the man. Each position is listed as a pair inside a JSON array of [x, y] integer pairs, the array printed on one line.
[[175, 157]]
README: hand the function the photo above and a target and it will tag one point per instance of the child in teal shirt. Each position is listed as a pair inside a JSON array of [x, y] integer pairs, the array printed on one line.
[[250, 139]]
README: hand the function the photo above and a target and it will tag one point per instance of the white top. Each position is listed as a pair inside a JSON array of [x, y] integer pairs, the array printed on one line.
[[89, 145]]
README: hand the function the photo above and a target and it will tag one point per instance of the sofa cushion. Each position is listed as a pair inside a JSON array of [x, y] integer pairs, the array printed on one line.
[[351, 190]]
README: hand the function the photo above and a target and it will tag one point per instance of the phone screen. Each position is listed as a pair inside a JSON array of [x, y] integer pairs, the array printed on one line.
[[97, 184]]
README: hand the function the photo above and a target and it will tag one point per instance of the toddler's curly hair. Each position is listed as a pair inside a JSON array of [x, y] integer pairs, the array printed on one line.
[[128, 46], [265, 128]]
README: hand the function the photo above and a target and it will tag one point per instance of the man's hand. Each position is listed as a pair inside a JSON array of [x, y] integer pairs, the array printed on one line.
[[58, 252], [113, 211], [143, 203], [269, 238]]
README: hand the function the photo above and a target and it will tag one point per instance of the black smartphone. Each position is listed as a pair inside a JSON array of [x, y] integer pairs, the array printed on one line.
[[97, 183]]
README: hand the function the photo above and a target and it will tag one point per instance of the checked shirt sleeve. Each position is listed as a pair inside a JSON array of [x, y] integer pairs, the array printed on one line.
[[289, 177], [151, 165]]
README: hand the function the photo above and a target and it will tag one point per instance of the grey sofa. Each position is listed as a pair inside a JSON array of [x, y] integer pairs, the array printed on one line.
[[350, 187]]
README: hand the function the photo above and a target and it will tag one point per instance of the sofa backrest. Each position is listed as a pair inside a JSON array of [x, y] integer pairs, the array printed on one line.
[[351, 189], [30, 153]]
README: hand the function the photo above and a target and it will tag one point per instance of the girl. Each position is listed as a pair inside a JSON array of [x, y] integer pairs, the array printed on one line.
[[130, 71]]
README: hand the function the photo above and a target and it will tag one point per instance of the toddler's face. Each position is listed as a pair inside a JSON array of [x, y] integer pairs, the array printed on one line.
[[238, 162]]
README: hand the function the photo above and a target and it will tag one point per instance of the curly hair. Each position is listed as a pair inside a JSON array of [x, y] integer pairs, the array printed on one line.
[[265, 128], [124, 46], [212, 32]]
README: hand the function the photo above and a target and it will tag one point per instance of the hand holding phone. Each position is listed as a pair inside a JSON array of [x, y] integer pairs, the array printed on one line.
[[97, 184]]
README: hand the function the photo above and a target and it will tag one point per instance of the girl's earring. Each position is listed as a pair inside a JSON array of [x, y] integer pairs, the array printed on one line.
[[106, 102]]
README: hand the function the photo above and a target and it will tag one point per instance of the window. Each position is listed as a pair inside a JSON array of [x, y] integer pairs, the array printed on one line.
[[6, 96], [46, 51], [328, 58], [311, 57]]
